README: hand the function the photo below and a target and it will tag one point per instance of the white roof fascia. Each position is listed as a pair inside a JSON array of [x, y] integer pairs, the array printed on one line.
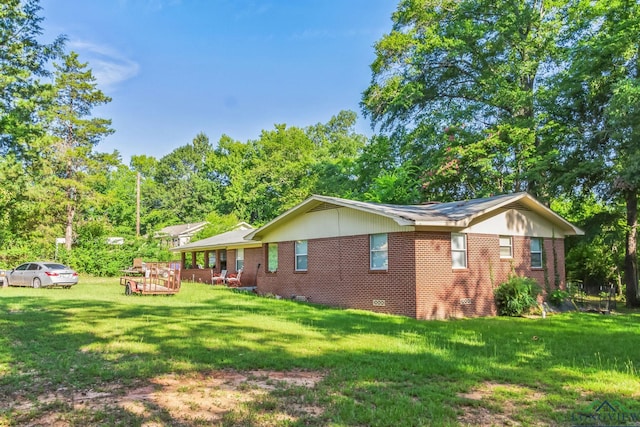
[[449, 224]]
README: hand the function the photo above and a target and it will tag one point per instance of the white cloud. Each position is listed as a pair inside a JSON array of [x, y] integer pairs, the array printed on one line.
[[109, 66]]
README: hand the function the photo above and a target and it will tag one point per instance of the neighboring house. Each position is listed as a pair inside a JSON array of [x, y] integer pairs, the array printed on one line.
[[178, 235], [430, 261], [230, 251]]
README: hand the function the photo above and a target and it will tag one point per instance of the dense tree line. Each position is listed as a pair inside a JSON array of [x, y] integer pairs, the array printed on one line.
[[468, 98]]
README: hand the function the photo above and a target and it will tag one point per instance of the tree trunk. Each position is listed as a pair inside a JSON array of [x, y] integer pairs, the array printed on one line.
[[71, 207], [631, 259], [68, 234]]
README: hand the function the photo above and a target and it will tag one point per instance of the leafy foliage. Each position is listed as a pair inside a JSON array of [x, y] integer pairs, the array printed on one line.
[[98, 258], [517, 296], [23, 62], [592, 113], [260, 179], [188, 179], [557, 296], [455, 82]]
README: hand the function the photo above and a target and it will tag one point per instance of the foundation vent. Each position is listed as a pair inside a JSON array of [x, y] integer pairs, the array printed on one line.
[[379, 303], [466, 301]]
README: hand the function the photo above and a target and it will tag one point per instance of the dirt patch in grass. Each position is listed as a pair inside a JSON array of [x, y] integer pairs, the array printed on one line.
[[258, 397], [492, 404]]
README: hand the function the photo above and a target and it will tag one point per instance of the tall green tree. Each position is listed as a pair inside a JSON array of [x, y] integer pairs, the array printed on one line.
[[260, 179], [233, 162], [75, 132], [23, 60], [188, 177], [594, 117], [337, 149], [280, 174], [153, 193], [455, 85]]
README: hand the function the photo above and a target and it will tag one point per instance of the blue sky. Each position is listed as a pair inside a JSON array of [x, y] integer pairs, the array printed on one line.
[[175, 68]]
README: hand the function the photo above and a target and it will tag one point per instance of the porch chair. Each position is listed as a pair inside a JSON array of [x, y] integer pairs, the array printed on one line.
[[217, 280], [234, 282]]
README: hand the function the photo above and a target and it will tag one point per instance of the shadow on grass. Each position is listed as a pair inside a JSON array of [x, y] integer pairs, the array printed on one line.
[[381, 369]]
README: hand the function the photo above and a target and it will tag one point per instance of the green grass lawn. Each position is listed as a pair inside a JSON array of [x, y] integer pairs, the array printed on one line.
[[375, 370]]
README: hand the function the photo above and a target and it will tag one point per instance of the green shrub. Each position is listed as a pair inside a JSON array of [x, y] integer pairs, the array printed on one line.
[[557, 296], [516, 296], [97, 258]]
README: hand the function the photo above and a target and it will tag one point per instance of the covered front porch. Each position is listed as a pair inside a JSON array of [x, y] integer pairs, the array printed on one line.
[[203, 265], [204, 260]]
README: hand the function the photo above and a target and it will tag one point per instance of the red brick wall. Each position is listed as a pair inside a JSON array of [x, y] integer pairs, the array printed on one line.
[[231, 260], [444, 292], [338, 274], [420, 281], [202, 275], [252, 257]]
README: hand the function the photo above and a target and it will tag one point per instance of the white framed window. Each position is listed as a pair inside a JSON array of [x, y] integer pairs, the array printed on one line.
[[458, 250], [506, 247], [378, 252], [301, 255], [272, 257], [536, 252], [239, 259]]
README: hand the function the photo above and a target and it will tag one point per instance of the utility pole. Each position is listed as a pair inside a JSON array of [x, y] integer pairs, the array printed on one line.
[[138, 206]]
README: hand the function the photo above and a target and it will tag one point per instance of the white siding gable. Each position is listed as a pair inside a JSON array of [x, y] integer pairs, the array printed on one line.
[[332, 222], [515, 223]]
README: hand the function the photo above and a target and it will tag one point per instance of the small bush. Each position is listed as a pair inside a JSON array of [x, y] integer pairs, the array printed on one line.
[[516, 296], [557, 296]]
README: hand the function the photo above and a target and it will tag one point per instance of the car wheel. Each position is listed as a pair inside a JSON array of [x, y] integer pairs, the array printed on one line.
[[127, 289], [36, 282]]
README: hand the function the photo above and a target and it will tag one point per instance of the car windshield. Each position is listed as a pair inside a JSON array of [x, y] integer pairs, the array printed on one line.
[[56, 266]]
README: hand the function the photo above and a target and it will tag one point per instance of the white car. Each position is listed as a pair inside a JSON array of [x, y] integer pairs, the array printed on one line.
[[42, 274]]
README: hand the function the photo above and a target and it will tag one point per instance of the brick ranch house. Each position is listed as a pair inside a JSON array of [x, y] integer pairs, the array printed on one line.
[[430, 261]]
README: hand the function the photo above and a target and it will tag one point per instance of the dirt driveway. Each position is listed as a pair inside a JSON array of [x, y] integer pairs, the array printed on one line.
[[229, 398]]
